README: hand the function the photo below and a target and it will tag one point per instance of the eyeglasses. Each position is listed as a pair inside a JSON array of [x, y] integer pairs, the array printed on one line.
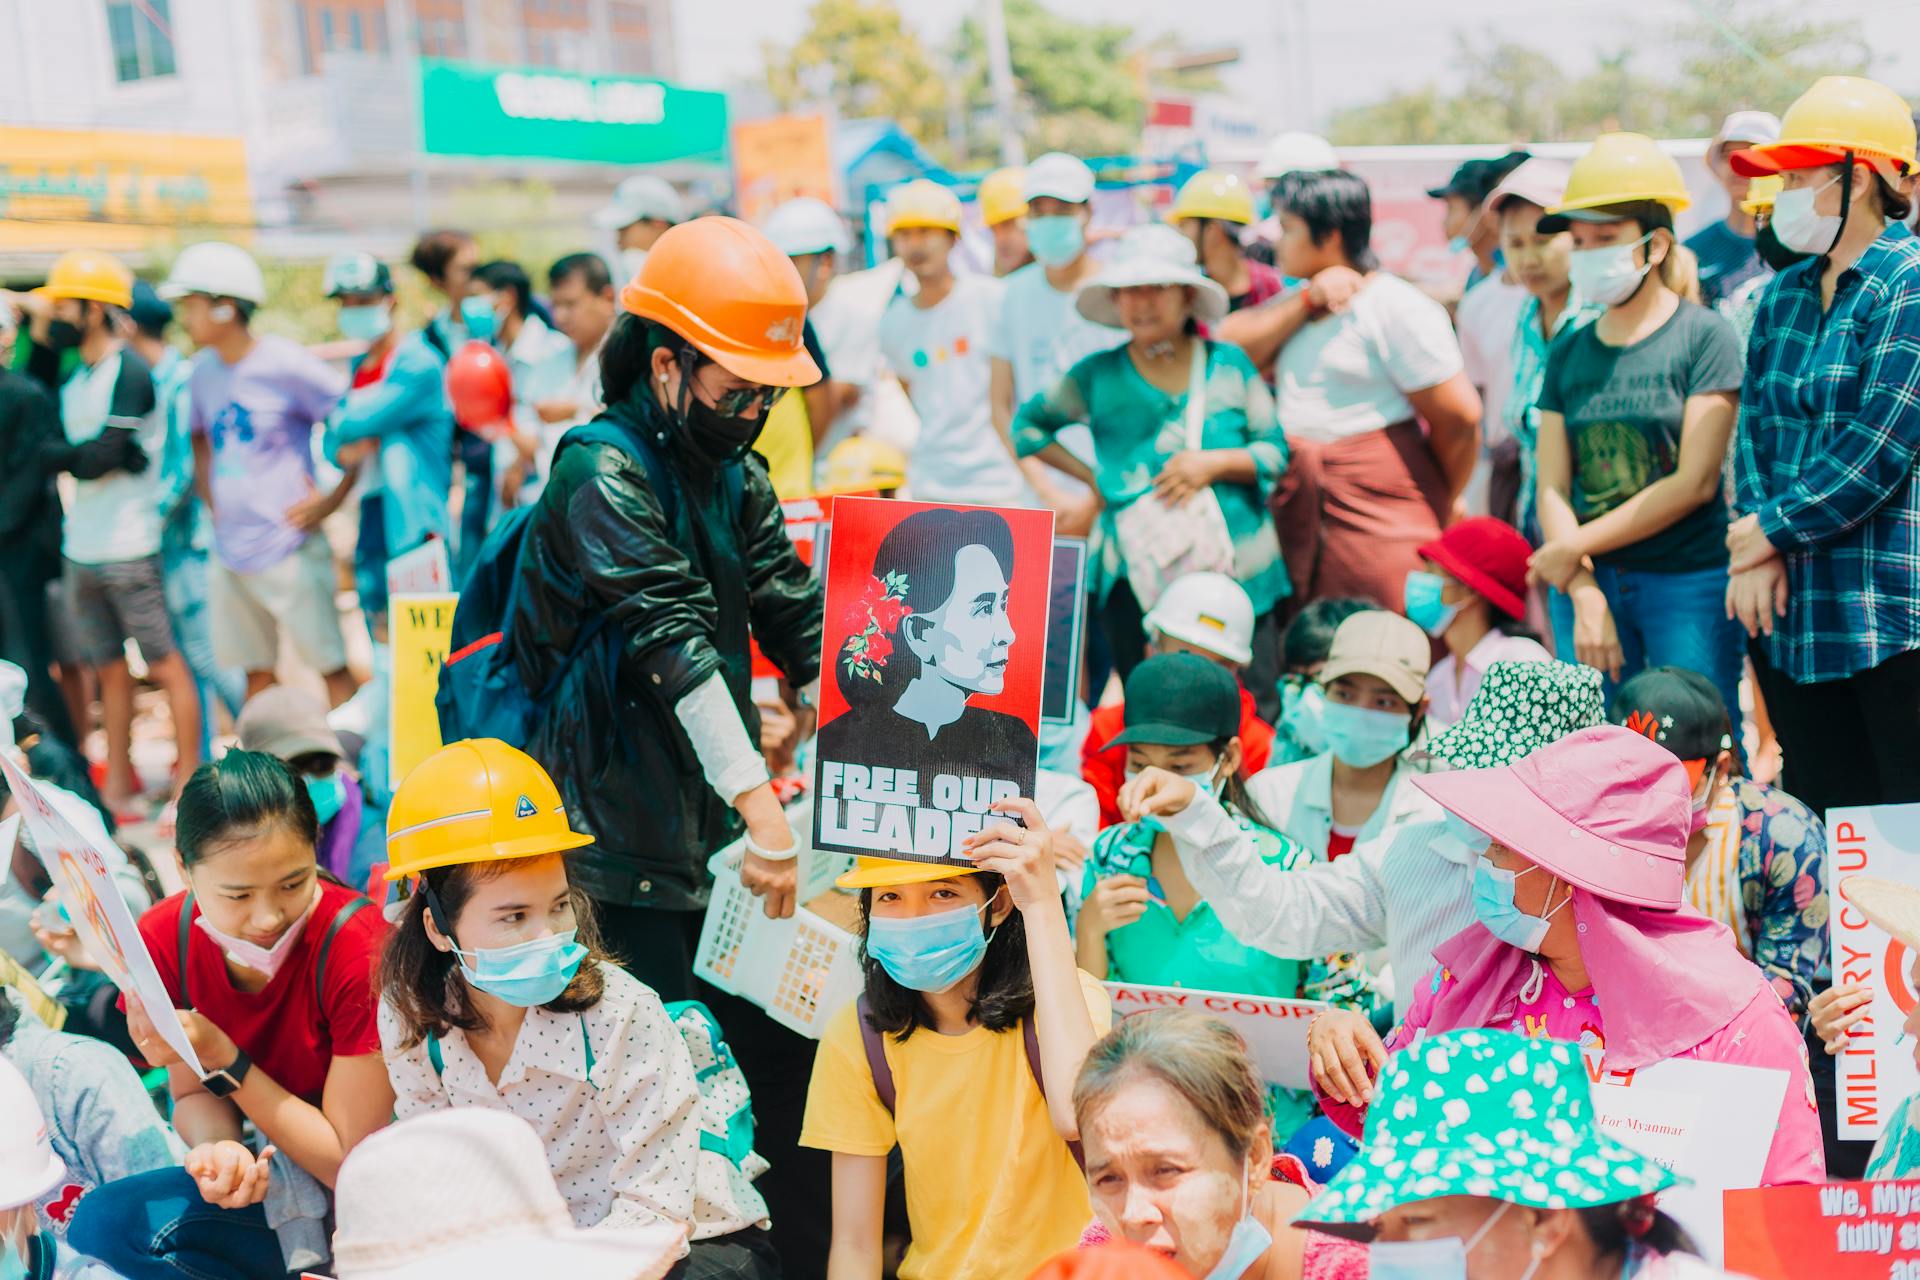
[[745, 402]]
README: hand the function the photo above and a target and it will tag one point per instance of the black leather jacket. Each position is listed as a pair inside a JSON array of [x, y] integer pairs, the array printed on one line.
[[683, 593]]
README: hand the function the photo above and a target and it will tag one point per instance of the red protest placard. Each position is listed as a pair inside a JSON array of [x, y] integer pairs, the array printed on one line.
[[933, 655], [1839, 1231]]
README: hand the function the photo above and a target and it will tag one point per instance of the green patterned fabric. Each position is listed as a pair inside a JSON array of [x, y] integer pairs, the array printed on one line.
[[1483, 1113], [1519, 708], [1897, 1153]]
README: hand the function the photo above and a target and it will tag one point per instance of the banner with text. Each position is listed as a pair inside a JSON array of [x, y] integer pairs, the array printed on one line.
[[421, 628], [1275, 1030], [1873, 1073], [931, 664], [99, 913], [1839, 1231]]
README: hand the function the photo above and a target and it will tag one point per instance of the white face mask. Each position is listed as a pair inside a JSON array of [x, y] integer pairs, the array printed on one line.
[[1607, 275], [1796, 224], [631, 260]]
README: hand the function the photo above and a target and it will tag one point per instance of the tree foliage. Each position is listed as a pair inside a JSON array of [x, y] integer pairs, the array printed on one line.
[[1725, 57], [860, 55]]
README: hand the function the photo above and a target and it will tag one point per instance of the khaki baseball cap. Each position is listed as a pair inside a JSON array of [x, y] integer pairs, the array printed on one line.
[[1387, 645]]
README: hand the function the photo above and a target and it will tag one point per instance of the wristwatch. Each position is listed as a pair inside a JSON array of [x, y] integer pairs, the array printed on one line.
[[227, 1080]]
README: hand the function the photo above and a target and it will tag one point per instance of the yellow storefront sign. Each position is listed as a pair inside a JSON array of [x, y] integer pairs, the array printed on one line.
[[421, 628], [69, 188]]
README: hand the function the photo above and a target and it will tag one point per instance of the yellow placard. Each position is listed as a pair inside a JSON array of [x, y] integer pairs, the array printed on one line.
[[118, 190], [421, 628], [778, 159]]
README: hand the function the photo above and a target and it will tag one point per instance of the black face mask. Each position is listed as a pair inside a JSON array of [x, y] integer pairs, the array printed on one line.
[[1771, 251], [63, 335], [717, 439]]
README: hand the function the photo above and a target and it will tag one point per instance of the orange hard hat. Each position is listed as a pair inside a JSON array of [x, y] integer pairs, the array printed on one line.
[[480, 386], [722, 285]]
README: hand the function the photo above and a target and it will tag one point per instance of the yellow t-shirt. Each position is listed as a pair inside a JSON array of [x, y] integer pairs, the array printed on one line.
[[992, 1191], [786, 444]]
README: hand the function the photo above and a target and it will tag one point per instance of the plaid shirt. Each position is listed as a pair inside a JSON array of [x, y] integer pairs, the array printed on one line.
[[1829, 429]]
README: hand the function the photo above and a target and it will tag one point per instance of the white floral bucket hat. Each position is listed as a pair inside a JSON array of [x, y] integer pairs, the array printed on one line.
[[1482, 1113], [1519, 708]]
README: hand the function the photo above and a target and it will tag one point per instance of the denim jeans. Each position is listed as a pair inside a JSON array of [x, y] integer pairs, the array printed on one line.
[[155, 1226], [183, 581], [1665, 620]]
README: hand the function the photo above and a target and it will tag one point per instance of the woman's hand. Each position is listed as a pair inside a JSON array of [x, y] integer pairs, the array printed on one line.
[[1154, 792], [1345, 1055], [1185, 474], [58, 937], [1115, 903], [1069, 854], [1748, 547], [1022, 856], [1755, 597], [1596, 641], [211, 1045], [1836, 1011], [1555, 564], [230, 1176]]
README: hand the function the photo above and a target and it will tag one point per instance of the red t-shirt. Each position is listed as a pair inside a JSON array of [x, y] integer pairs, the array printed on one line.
[[279, 1026], [1105, 771]]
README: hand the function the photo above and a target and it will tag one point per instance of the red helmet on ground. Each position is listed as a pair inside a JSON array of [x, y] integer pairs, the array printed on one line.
[[481, 388]]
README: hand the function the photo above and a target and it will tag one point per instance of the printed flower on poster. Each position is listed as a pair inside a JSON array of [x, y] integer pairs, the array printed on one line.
[[871, 620]]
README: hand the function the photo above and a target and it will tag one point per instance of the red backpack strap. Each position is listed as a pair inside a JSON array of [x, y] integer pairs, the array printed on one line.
[[877, 1066], [1031, 1038]]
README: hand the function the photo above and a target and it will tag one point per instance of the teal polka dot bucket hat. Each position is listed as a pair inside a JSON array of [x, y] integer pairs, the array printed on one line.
[[1482, 1113], [1519, 708]]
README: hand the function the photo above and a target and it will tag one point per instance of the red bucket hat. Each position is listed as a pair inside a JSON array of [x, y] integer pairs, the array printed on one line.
[[1487, 555]]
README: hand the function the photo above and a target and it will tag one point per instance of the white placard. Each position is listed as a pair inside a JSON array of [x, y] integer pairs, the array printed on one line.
[[9, 837], [423, 571], [1712, 1122], [1275, 1030], [100, 916], [1872, 1074]]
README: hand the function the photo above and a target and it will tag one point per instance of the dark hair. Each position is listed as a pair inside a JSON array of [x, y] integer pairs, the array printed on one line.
[[236, 796], [1005, 994], [626, 357], [243, 310], [1606, 1226], [9, 1018], [424, 984], [1335, 202], [922, 548], [1309, 637], [590, 267], [1234, 791], [435, 250], [51, 758], [503, 276]]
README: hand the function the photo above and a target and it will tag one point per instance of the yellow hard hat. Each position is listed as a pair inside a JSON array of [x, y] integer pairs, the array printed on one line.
[[1837, 115], [1214, 193], [923, 203], [1001, 197], [1761, 192], [90, 275], [859, 464], [476, 800], [884, 873], [1620, 168]]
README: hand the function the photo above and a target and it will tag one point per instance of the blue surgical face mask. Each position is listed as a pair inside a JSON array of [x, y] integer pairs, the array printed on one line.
[[1303, 710], [526, 974], [364, 324], [328, 795], [1471, 837], [1493, 906], [1055, 240], [1459, 244], [1442, 1259], [1360, 737], [477, 315], [930, 953], [1425, 608], [1246, 1246]]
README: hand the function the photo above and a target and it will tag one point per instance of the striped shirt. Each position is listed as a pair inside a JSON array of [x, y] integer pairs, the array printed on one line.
[[1829, 430]]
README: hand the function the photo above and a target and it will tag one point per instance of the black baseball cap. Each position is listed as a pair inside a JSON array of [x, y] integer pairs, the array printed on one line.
[[1679, 709], [1180, 700], [1475, 180], [147, 310]]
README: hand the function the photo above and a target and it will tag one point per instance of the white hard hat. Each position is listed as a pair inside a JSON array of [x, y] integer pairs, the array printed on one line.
[[28, 1167], [806, 224], [642, 198], [1209, 611], [1063, 177], [1296, 153], [217, 270]]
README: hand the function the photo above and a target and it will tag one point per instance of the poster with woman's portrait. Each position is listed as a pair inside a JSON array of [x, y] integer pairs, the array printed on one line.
[[934, 653]]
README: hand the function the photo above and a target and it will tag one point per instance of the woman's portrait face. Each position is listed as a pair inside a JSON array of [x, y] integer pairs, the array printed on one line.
[[966, 640]]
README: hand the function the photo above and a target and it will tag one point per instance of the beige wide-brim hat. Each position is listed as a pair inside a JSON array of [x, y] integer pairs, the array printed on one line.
[[1150, 254], [1892, 906]]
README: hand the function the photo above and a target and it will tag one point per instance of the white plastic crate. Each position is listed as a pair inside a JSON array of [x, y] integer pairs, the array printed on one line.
[[801, 970]]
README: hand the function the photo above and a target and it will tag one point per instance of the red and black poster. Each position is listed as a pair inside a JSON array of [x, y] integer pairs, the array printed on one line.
[[934, 654]]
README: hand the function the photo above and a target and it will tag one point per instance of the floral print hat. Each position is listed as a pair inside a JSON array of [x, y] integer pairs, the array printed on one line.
[[1482, 1113], [1519, 708]]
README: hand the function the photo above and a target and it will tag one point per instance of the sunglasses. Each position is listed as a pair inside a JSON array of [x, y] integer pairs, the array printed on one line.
[[745, 402]]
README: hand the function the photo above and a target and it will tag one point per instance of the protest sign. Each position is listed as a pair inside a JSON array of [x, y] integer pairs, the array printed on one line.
[[932, 656], [1712, 1122], [421, 571], [421, 628], [1873, 1073], [1275, 1030], [1066, 621], [100, 916], [1837, 1231], [807, 521]]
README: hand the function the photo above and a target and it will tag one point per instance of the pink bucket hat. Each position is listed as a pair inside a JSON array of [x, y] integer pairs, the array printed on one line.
[[1605, 809]]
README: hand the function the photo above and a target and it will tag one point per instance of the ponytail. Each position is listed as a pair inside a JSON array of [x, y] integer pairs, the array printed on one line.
[[1680, 272]]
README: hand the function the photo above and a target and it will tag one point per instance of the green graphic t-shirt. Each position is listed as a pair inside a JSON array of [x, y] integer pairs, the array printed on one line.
[[1623, 408]]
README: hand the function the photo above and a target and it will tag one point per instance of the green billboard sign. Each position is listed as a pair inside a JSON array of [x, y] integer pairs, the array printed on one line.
[[467, 109]]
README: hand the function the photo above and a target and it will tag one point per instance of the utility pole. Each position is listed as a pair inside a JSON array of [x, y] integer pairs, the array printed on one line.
[[1013, 148]]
